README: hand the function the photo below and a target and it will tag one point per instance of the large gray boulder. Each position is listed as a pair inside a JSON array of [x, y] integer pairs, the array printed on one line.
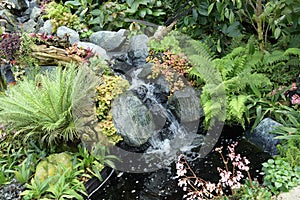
[[133, 119], [62, 31], [185, 104], [263, 138], [109, 40], [95, 48], [138, 49]]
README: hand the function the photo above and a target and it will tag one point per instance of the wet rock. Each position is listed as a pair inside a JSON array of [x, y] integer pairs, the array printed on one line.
[[95, 48], [29, 26], [185, 105], [138, 49], [109, 40], [9, 20], [146, 71], [20, 5], [6, 71], [47, 28], [62, 31], [263, 138], [35, 12], [132, 119], [123, 64]]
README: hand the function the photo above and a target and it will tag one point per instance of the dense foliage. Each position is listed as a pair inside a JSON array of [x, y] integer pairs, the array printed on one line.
[[244, 57]]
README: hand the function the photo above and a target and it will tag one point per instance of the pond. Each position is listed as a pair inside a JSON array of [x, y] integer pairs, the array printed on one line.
[[161, 184]]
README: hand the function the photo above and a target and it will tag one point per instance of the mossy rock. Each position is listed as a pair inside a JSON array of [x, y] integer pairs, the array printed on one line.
[[53, 165]]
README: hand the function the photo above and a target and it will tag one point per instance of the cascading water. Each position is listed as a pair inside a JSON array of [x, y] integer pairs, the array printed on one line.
[[141, 116]]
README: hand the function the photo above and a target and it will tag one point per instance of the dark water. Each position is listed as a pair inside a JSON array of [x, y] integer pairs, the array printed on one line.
[[161, 184]]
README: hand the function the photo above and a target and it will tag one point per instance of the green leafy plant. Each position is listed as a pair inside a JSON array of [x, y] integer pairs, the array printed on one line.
[[10, 157], [280, 176], [23, 172], [279, 62], [42, 108], [92, 162], [289, 151], [169, 42], [112, 15], [62, 189], [35, 189], [61, 15], [253, 191], [232, 75], [60, 186]]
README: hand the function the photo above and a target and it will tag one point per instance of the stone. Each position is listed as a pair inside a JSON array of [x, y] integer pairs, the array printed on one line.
[[263, 138], [292, 194], [185, 104], [29, 26], [62, 31], [109, 40], [53, 166], [7, 16], [138, 49], [95, 48], [133, 120], [35, 12], [47, 28], [20, 5]]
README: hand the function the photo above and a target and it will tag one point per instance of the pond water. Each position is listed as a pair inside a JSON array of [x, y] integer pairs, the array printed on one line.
[[161, 184]]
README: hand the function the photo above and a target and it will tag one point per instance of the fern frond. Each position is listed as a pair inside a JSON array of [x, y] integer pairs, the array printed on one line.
[[294, 62], [292, 52], [237, 109], [275, 57], [196, 47], [205, 69]]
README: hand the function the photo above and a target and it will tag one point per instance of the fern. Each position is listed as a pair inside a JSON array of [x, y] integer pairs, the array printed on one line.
[[237, 109], [43, 108], [292, 52], [229, 79], [275, 57]]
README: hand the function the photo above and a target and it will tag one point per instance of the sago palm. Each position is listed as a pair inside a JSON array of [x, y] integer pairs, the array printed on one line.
[[44, 108]]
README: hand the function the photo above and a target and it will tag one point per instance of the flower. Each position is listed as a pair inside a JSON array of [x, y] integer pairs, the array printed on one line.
[[219, 149], [295, 99]]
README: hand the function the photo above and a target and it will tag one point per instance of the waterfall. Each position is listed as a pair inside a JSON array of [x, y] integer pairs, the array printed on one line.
[[141, 116]]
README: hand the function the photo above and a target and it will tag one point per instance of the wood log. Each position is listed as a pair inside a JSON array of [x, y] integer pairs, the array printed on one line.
[[53, 56]]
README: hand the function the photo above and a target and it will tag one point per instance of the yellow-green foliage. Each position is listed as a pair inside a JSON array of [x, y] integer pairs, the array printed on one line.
[[61, 15], [110, 88]]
